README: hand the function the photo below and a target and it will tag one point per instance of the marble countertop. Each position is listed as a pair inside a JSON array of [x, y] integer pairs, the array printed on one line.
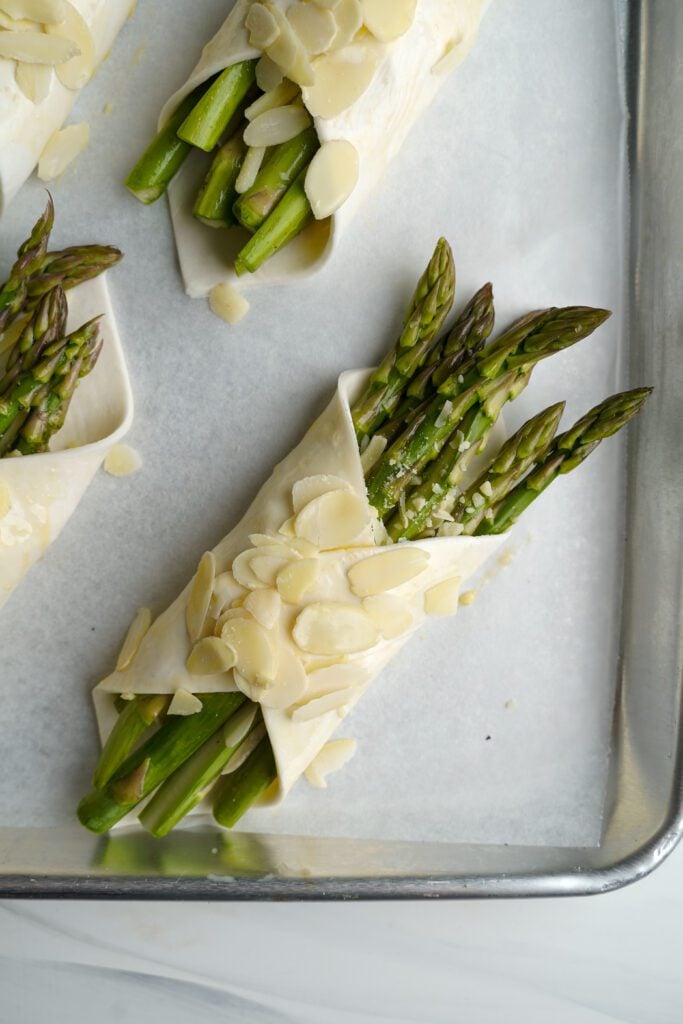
[[597, 960]]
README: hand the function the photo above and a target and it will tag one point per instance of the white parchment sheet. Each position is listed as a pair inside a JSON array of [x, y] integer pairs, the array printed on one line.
[[493, 727]]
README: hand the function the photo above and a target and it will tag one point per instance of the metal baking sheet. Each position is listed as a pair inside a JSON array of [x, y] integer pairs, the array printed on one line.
[[619, 633]]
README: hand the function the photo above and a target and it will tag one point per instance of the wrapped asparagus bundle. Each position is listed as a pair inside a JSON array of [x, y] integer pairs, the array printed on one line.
[[301, 107], [65, 398], [49, 50], [371, 524]]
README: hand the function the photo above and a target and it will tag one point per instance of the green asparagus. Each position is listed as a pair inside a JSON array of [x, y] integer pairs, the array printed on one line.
[[136, 718], [280, 168], [217, 196], [29, 260], [288, 219], [210, 116], [238, 791]]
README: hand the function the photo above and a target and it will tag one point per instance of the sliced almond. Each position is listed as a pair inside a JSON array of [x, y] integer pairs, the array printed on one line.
[[209, 657], [337, 519], [391, 615], [34, 80], [311, 487], [289, 684], [227, 303], [268, 74], [348, 15], [303, 547], [341, 78], [78, 71], [288, 52], [254, 656], [200, 596], [333, 756], [15, 24], [250, 690], [331, 177], [225, 587], [261, 540], [245, 749], [297, 579], [243, 573], [46, 12], [283, 94], [36, 48], [321, 705], [134, 637], [388, 19], [379, 573], [443, 599], [266, 567], [276, 126], [237, 727], [121, 460], [331, 627], [250, 168], [61, 150], [262, 26], [331, 678], [265, 606], [372, 453], [184, 703], [287, 528], [315, 26]]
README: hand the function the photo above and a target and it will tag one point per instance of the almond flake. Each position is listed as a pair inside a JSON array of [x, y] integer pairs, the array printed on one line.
[[378, 573], [315, 26], [253, 653], [311, 487], [469, 597], [337, 519], [284, 93], [227, 303], [330, 627], [260, 540], [289, 684], [443, 598], [237, 728], [134, 637], [36, 48], [478, 500], [341, 78], [78, 71], [288, 52], [331, 177], [372, 452], [245, 749], [268, 74], [265, 606], [287, 528], [184, 703], [262, 27], [225, 587], [34, 80], [200, 596], [487, 488], [297, 579], [122, 460], [250, 168], [267, 567], [348, 15], [303, 547], [330, 678], [322, 705], [388, 19], [391, 614], [333, 756], [276, 126], [45, 12], [451, 530], [209, 657], [242, 571]]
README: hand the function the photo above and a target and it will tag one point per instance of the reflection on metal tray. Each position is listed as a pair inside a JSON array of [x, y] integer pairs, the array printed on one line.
[[643, 813]]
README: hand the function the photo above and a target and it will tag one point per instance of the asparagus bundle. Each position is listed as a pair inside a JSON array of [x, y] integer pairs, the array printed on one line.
[[448, 392], [43, 364]]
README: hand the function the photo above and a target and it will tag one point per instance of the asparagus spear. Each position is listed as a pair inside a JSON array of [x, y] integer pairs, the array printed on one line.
[[164, 156], [45, 326], [567, 451], [70, 267], [210, 116], [428, 309], [29, 259], [218, 194], [531, 339], [237, 792], [281, 166], [135, 719], [153, 762], [288, 219]]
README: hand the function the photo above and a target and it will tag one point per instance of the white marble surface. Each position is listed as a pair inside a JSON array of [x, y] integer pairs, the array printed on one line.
[[598, 960]]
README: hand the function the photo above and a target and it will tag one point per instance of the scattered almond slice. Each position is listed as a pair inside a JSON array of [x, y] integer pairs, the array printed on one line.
[[134, 637], [311, 487], [288, 52], [209, 657], [341, 78], [224, 589], [287, 528], [332, 628], [391, 614], [303, 547], [379, 573], [245, 749], [373, 452], [265, 606], [231, 613], [331, 177], [261, 540], [250, 690], [314, 25], [36, 48], [333, 756], [78, 71], [283, 94], [184, 703], [289, 684], [266, 567], [262, 26], [297, 579], [45, 12], [468, 598], [321, 705], [336, 519], [200, 596], [388, 19], [227, 303], [276, 126], [122, 460], [34, 80], [254, 657], [331, 678], [61, 149], [5, 499], [237, 728], [268, 74], [250, 168], [443, 599], [348, 16], [242, 571]]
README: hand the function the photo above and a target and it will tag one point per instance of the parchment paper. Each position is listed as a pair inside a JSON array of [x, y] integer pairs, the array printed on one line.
[[494, 727]]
